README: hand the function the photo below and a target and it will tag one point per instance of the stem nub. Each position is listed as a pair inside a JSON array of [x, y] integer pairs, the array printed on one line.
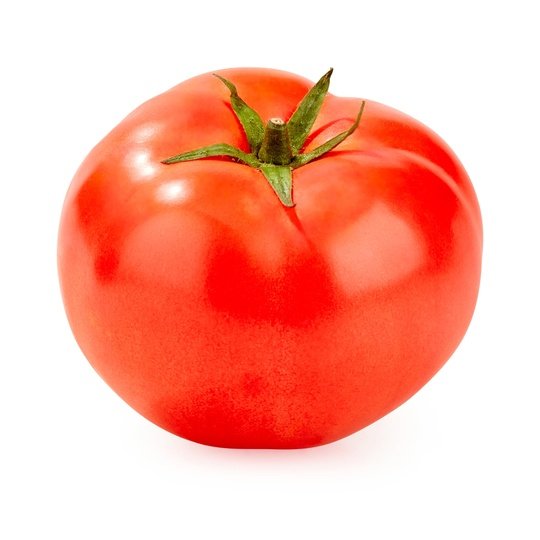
[[276, 145]]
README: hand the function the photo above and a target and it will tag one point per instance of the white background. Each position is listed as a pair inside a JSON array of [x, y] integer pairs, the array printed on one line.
[[459, 460]]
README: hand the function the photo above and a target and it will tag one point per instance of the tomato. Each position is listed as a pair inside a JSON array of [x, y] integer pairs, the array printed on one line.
[[233, 318]]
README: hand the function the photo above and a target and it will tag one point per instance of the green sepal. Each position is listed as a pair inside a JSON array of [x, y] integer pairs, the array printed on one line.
[[280, 178], [303, 159], [302, 120], [250, 120], [215, 150]]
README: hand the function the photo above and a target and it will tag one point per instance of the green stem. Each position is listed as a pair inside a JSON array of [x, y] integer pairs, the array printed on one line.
[[276, 145], [276, 148]]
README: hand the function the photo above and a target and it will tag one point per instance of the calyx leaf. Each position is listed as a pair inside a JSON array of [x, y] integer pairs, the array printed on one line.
[[280, 178], [250, 119], [303, 159], [214, 150], [304, 117]]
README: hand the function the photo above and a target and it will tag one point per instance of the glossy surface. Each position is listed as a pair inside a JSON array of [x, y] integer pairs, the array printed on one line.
[[228, 319]]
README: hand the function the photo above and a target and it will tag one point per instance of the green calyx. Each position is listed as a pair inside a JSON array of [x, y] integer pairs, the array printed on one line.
[[275, 148]]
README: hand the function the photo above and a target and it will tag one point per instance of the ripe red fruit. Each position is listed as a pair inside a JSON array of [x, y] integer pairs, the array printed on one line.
[[250, 284]]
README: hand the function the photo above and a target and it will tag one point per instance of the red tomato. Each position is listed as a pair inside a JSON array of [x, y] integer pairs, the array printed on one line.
[[230, 319]]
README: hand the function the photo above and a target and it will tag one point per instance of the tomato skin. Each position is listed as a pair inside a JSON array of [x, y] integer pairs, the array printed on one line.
[[231, 320]]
